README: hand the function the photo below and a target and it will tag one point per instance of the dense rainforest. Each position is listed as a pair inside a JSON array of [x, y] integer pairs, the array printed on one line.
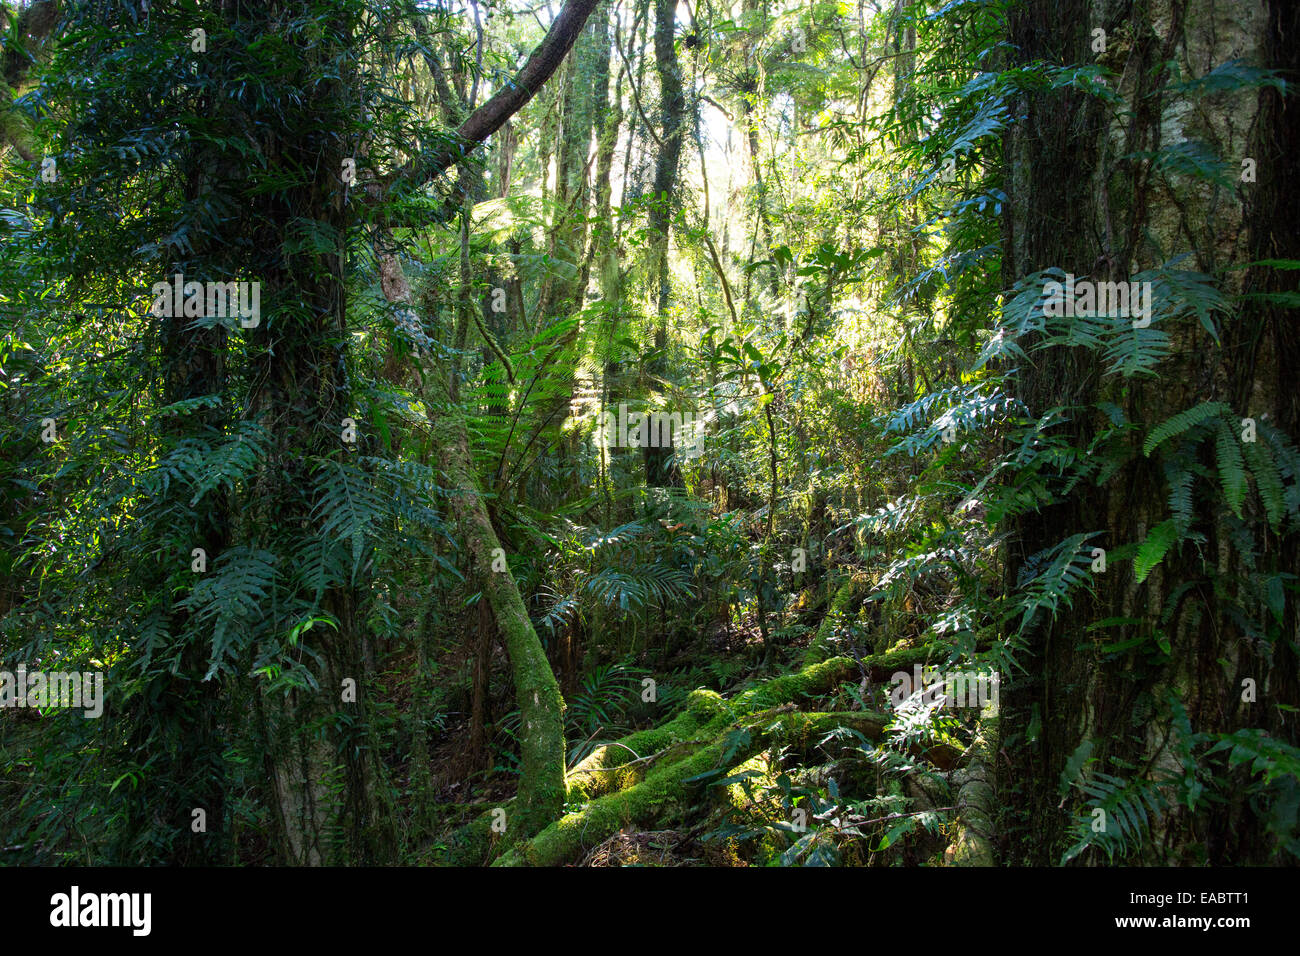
[[649, 432]]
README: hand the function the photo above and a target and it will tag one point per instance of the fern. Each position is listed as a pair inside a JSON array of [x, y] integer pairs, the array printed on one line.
[[1232, 468], [638, 586], [1128, 810], [232, 461], [1153, 549], [1054, 575], [1181, 422], [1268, 482], [1181, 474], [231, 599], [348, 507], [1267, 756]]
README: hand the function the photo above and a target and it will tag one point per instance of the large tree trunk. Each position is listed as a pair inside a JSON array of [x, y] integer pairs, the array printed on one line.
[[331, 800], [1075, 206], [672, 108]]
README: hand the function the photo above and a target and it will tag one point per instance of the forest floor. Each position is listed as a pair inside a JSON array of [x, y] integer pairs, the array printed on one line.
[[782, 758]]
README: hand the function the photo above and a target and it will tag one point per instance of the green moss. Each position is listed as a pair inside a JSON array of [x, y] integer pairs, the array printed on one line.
[[973, 841], [665, 789], [620, 765], [662, 788], [817, 679], [623, 789], [819, 649], [705, 702]]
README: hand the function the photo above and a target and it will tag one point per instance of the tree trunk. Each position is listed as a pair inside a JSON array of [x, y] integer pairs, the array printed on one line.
[[1077, 207], [672, 107], [541, 743]]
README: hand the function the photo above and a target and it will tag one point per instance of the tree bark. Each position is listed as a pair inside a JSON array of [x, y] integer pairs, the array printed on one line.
[[672, 107], [1075, 207], [507, 101], [541, 744]]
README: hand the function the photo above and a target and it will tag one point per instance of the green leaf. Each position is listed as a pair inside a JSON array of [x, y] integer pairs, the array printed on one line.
[[1074, 766], [1153, 549], [1182, 422], [1232, 469]]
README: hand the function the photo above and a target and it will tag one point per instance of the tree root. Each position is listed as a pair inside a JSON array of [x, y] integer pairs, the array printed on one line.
[[648, 778], [641, 778]]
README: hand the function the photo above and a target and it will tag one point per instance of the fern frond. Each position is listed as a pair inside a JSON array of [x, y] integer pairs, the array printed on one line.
[[232, 599], [1232, 468], [1268, 481], [1181, 422], [1152, 550]]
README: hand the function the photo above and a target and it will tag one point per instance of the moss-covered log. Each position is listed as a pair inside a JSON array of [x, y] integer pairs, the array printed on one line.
[[972, 843], [666, 790], [640, 778], [623, 763], [663, 791], [631, 790]]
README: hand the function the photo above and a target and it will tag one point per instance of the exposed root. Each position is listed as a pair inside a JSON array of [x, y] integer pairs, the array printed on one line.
[[642, 779], [645, 848], [972, 844]]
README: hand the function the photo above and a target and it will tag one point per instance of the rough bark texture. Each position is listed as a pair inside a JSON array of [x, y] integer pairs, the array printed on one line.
[[1077, 206], [329, 791], [672, 106]]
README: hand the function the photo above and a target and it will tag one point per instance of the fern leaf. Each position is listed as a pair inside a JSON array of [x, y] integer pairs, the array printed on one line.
[[1182, 422], [1152, 551], [1268, 480], [1232, 469]]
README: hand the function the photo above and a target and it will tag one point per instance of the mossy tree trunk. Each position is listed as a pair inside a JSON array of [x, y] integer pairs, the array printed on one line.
[[541, 743], [660, 472], [541, 737]]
